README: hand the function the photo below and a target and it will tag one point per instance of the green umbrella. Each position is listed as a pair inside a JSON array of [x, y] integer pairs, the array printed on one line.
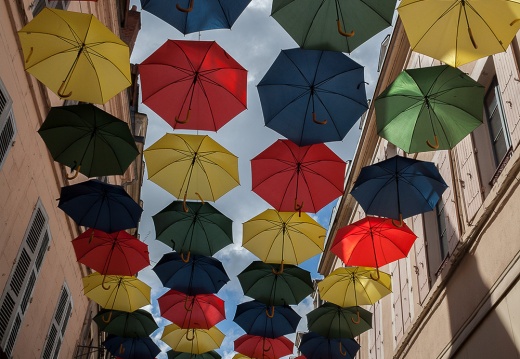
[[139, 323], [335, 25], [89, 140], [179, 355], [193, 227], [429, 108], [332, 321]]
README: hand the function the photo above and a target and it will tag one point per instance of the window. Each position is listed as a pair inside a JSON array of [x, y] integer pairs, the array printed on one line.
[[436, 233], [500, 140], [38, 5], [442, 230], [59, 323], [7, 125]]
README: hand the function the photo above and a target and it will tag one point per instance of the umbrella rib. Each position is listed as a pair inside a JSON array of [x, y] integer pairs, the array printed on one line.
[[312, 22], [485, 22]]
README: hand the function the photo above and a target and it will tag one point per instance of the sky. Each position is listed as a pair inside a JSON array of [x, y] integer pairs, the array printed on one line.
[[255, 41]]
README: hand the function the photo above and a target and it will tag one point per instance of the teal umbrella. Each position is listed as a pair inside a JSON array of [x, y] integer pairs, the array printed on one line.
[[332, 321]]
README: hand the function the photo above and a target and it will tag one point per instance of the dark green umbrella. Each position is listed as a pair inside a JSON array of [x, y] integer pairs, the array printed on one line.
[[429, 108], [88, 140], [179, 355], [332, 321], [193, 227], [139, 323]]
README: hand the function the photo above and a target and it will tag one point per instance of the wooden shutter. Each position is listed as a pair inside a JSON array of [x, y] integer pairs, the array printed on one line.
[[405, 292], [7, 124], [58, 325], [397, 308], [377, 321], [421, 258], [372, 334]]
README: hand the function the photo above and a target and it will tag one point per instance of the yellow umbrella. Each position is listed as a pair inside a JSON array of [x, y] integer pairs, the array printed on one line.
[[283, 237], [192, 167], [195, 341], [352, 286], [75, 56], [460, 31], [240, 356]]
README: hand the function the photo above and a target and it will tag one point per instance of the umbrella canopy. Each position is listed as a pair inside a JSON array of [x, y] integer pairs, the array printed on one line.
[[352, 286], [257, 318], [194, 84], [201, 311], [333, 24], [100, 205], [192, 167], [429, 108], [332, 321], [88, 140], [180, 355], [131, 348], [312, 96], [194, 341], [287, 285], [75, 56], [314, 346], [192, 276], [138, 323], [459, 31], [372, 242], [258, 347], [201, 230], [283, 237], [294, 178]]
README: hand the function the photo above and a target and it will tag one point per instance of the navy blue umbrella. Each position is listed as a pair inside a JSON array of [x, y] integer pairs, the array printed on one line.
[[131, 348], [399, 187], [194, 275], [312, 96], [189, 16], [314, 346], [257, 318], [100, 205]]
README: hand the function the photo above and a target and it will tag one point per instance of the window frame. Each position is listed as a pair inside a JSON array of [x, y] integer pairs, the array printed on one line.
[[7, 118], [58, 324]]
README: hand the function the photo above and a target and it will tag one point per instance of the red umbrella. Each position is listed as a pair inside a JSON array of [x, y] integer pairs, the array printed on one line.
[[201, 311], [193, 84], [293, 178], [258, 347]]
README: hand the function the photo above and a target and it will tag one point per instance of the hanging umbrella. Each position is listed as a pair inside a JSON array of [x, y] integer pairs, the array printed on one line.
[[314, 346], [398, 188], [201, 230], [332, 321], [192, 276], [285, 285], [293, 178], [240, 356], [430, 108], [100, 205], [333, 24], [283, 237], [88, 140], [189, 16], [258, 347], [194, 341], [131, 348], [192, 167], [180, 355], [352, 286], [460, 31], [312, 96], [193, 84], [257, 318], [75, 56], [138, 323], [201, 311]]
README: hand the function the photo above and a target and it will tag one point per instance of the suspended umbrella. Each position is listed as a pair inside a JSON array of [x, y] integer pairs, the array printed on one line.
[[131, 348], [430, 108], [312, 96], [194, 341], [293, 178], [314, 346], [333, 24], [138, 323], [332, 321], [459, 31], [240, 356], [75, 56], [180, 355], [193, 84], [258, 347]]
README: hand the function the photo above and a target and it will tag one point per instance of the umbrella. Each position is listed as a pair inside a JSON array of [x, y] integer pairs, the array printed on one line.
[[314, 346], [195, 275], [189, 16], [352, 286], [257, 318], [258, 347], [201, 311], [312, 96], [201, 230], [180, 355], [192, 167], [332, 321], [138, 323], [75, 56], [100, 205], [333, 24], [131, 348], [287, 285], [459, 31], [398, 188], [429, 108], [194, 341], [117, 253], [89, 140], [193, 84], [283, 237], [293, 178]]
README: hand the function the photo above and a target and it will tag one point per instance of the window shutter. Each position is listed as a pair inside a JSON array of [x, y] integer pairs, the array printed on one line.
[[58, 326], [7, 125], [421, 261], [405, 292], [396, 303]]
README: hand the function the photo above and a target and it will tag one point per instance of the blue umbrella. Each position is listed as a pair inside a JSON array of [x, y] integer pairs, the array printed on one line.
[[312, 96], [100, 205], [314, 346], [194, 275], [398, 188], [189, 16], [130, 348], [257, 318]]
